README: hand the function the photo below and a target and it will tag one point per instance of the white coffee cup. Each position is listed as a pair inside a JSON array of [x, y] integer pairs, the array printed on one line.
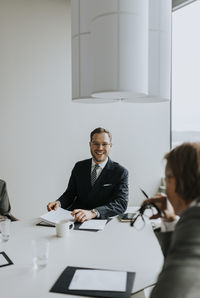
[[63, 227]]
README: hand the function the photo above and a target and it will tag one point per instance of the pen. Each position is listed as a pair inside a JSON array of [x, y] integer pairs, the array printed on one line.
[[144, 193]]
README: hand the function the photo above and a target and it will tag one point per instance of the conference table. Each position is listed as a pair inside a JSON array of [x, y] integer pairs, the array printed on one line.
[[118, 247]]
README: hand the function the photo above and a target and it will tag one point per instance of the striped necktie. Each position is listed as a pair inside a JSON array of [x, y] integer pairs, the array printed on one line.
[[94, 174]]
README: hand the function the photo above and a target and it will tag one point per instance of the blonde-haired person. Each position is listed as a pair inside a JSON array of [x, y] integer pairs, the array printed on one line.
[[180, 239]]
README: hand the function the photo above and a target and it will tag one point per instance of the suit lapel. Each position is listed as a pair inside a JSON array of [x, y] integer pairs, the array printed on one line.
[[87, 174], [100, 179]]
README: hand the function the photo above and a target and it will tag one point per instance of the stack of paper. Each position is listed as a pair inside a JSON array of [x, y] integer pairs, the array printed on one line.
[[55, 216], [94, 224], [99, 280]]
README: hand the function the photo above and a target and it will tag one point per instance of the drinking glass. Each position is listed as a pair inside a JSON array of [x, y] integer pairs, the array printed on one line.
[[40, 248], [5, 228]]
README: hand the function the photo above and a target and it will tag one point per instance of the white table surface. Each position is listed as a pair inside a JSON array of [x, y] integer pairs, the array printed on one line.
[[118, 247]]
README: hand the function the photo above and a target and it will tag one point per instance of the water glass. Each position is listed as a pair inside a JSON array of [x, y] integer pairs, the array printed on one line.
[[5, 228], [40, 248]]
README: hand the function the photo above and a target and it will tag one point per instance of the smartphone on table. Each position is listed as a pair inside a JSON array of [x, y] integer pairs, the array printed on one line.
[[125, 217]]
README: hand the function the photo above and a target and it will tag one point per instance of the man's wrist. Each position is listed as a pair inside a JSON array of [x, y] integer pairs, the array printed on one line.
[[96, 212], [169, 226], [59, 204]]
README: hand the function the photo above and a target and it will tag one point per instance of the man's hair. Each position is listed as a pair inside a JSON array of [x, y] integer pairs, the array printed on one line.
[[100, 130], [184, 163]]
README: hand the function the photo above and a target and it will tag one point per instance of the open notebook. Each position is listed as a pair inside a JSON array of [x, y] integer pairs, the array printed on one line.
[[55, 216]]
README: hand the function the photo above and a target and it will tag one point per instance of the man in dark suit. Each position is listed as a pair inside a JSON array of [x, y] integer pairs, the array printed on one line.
[[98, 187], [180, 238]]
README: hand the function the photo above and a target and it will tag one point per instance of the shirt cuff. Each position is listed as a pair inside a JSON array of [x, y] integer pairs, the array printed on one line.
[[169, 226], [96, 212], [59, 203]]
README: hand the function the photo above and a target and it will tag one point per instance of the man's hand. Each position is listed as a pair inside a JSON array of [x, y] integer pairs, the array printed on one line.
[[82, 215], [163, 204], [53, 205]]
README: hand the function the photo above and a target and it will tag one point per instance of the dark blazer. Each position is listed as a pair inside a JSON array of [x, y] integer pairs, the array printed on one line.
[[109, 194], [180, 276]]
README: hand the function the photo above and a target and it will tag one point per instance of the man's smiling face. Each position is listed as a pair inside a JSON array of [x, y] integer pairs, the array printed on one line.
[[100, 147]]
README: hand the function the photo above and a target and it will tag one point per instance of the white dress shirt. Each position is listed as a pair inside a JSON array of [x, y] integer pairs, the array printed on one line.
[[99, 170], [101, 166]]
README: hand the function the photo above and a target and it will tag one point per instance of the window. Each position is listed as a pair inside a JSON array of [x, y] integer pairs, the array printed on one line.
[[186, 74]]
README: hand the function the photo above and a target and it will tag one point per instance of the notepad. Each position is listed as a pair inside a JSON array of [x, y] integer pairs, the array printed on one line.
[[55, 216], [99, 280], [94, 224]]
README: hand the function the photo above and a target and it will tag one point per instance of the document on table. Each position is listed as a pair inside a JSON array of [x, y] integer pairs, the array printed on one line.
[[99, 280], [55, 216], [93, 224]]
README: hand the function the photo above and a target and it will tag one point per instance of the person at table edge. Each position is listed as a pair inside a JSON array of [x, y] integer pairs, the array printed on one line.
[[180, 238], [108, 196]]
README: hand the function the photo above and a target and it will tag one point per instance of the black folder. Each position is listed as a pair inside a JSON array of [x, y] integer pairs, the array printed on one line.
[[64, 280], [76, 225], [8, 260]]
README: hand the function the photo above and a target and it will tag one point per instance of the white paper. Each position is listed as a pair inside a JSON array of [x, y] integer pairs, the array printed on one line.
[[94, 224], [99, 280], [3, 260], [55, 216]]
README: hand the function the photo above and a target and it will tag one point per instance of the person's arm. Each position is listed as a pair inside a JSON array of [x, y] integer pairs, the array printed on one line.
[[118, 201], [168, 217], [82, 215], [180, 274], [67, 198]]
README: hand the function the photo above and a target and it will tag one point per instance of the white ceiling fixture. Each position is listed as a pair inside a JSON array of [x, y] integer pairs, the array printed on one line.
[[121, 50]]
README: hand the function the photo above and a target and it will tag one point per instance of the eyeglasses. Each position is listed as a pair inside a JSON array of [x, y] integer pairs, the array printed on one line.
[[152, 207], [104, 145]]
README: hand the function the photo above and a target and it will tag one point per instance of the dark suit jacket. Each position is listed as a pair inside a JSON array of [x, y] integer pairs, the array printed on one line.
[[109, 194], [180, 276]]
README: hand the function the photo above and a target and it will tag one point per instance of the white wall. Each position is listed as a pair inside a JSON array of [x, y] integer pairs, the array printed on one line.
[[43, 133]]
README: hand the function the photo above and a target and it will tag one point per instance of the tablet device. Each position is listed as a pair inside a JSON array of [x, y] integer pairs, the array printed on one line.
[[126, 216]]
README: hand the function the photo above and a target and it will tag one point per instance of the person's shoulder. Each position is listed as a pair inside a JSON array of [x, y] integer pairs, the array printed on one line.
[[82, 163], [115, 165], [189, 223], [192, 212]]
